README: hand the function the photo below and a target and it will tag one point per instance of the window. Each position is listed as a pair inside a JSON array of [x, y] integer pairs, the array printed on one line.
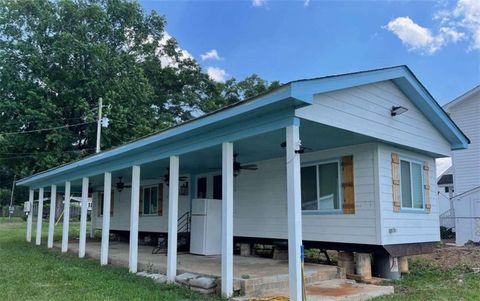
[[217, 187], [150, 200], [411, 184], [202, 187], [321, 187], [100, 203]]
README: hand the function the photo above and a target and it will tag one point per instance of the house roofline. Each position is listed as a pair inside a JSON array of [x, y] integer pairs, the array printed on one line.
[[458, 100], [295, 93]]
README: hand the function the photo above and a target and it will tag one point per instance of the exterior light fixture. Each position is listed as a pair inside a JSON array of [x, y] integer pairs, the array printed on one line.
[[397, 110]]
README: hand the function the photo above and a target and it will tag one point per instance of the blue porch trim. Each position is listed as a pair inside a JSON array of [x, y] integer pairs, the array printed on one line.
[[158, 151]]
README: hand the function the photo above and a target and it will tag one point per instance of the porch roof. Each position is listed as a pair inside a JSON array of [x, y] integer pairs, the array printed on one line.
[[254, 116]]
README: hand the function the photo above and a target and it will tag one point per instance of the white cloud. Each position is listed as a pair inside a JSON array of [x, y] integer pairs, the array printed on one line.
[[306, 3], [416, 37], [210, 55], [412, 35], [258, 3], [217, 74], [467, 16], [452, 34], [461, 22]]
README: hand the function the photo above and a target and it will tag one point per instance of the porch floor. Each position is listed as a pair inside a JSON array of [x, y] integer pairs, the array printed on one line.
[[253, 276], [243, 267]]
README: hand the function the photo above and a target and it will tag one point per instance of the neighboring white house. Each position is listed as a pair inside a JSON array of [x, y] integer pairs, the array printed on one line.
[[344, 162], [445, 202], [465, 111]]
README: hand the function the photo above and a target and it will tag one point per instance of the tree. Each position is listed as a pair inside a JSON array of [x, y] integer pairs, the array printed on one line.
[[233, 91], [57, 58]]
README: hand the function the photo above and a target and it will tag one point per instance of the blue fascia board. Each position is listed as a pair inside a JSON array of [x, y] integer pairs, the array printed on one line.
[[306, 89], [432, 111], [232, 132], [406, 81]]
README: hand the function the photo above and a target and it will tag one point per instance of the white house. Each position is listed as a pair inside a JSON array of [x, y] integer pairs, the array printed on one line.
[[343, 162], [465, 111]]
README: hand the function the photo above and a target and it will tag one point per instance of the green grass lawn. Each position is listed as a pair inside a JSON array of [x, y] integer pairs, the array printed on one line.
[[29, 272], [429, 282]]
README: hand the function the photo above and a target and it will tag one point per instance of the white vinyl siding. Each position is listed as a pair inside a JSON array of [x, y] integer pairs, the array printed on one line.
[[260, 201], [406, 226], [366, 110], [120, 220], [467, 116]]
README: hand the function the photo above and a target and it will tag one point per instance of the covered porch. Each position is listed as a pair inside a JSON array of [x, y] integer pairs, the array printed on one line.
[[274, 143]]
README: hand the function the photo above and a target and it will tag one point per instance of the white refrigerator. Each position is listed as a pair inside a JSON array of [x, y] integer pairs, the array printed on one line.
[[206, 230]]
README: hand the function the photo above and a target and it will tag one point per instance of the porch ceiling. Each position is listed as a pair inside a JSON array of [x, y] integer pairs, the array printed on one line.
[[265, 146]]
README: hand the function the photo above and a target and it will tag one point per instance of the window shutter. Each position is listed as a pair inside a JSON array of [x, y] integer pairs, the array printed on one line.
[[160, 200], [112, 202], [426, 181], [348, 190], [140, 206], [396, 182], [99, 203]]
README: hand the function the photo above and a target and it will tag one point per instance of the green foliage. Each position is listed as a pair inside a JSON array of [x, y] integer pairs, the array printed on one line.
[[57, 58], [446, 233]]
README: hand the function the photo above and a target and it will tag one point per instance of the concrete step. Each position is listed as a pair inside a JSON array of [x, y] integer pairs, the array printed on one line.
[[258, 286]]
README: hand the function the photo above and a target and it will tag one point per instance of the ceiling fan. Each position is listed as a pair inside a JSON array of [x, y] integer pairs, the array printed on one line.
[[120, 185], [237, 166], [166, 177]]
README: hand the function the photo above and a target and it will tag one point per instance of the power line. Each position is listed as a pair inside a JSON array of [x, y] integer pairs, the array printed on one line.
[[10, 122], [47, 129], [35, 155], [49, 152]]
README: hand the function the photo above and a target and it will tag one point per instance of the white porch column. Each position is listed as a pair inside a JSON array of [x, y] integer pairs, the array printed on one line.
[[172, 219], [107, 195], [66, 217], [30, 215], [227, 219], [133, 252], [51, 219], [83, 219], [294, 213], [38, 237]]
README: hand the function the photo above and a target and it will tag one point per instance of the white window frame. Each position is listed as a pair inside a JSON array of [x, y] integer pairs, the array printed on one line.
[[410, 161], [339, 185], [156, 200]]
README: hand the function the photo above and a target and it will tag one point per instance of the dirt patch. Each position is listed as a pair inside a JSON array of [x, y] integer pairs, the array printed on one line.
[[446, 257], [340, 290]]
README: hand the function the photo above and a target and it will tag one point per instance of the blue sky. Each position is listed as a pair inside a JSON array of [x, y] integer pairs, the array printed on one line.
[[288, 40]]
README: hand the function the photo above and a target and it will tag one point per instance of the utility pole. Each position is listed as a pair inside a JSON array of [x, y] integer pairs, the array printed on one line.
[[99, 125], [10, 211]]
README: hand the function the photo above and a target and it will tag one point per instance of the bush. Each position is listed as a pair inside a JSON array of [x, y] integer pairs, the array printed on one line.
[[446, 233]]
